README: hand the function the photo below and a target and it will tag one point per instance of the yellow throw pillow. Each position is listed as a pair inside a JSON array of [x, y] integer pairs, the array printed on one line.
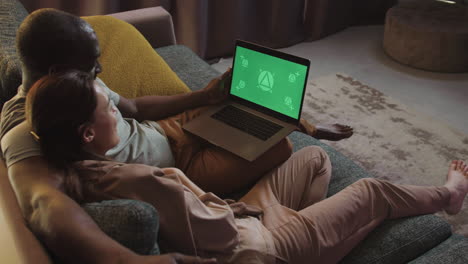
[[131, 67]]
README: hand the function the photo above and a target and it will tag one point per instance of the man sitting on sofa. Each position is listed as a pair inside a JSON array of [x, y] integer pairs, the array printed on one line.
[[50, 40]]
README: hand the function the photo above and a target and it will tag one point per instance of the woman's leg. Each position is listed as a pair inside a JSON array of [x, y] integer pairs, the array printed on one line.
[[326, 231], [212, 168], [298, 183]]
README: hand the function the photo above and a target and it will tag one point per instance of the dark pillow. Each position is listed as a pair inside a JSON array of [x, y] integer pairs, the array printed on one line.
[[134, 224], [12, 13], [10, 77]]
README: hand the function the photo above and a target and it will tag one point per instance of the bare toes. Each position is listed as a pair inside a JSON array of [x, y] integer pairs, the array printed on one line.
[[453, 164]]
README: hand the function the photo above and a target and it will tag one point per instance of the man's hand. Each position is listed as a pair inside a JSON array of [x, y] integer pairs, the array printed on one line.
[[242, 209], [217, 90]]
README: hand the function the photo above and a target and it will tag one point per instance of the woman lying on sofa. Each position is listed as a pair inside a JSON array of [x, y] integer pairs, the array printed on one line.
[[284, 217]]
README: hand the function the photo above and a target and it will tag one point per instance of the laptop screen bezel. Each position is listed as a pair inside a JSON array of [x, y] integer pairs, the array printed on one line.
[[274, 53]]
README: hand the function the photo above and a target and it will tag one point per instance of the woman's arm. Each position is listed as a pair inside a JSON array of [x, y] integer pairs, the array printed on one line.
[[184, 180]]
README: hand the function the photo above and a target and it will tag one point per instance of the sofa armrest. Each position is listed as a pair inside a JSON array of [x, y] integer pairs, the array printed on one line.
[[155, 23], [23, 246]]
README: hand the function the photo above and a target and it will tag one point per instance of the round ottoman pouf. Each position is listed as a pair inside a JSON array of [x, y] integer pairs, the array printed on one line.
[[429, 35]]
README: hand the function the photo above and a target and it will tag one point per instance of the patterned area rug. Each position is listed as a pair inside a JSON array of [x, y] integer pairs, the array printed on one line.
[[391, 140]]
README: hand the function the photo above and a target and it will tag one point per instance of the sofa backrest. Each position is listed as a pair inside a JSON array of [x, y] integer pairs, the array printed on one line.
[[12, 13]]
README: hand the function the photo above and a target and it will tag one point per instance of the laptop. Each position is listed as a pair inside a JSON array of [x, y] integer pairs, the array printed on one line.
[[264, 106]]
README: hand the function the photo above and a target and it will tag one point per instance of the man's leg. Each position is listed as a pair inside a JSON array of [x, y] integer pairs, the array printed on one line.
[[212, 168], [219, 171], [184, 145]]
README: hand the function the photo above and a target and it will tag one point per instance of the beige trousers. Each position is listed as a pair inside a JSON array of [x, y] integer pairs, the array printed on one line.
[[306, 227], [310, 229]]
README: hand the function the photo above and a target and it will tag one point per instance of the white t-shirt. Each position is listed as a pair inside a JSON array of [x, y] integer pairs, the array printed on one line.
[[143, 142]]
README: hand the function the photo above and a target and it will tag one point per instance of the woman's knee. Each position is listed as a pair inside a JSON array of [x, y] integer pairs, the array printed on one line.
[[369, 183], [316, 152], [318, 160]]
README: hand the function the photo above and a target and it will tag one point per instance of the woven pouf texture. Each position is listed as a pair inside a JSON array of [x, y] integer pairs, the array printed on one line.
[[428, 35]]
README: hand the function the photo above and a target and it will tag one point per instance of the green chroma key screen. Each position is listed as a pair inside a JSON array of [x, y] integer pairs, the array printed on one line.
[[269, 81]]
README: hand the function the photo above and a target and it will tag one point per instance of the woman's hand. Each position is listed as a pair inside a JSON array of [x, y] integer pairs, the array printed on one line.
[[158, 171], [217, 90], [242, 209], [172, 258], [183, 259]]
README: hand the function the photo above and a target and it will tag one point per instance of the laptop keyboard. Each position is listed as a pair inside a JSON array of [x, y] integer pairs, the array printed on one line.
[[247, 122]]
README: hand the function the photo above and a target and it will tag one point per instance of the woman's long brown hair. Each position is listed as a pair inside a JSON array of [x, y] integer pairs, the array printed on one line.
[[57, 106]]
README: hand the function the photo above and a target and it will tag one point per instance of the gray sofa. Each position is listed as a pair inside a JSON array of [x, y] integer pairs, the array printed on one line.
[[422, 239]]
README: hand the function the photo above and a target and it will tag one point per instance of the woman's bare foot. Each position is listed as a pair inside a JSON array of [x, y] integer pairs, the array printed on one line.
[[333, 132], [457, 184]]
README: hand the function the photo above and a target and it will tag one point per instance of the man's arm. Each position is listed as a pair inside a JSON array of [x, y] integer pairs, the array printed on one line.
[[160, 107], [64, 226], [60, 222]]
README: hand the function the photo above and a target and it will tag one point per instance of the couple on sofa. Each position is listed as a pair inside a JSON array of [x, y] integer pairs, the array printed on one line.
[[59, 157]]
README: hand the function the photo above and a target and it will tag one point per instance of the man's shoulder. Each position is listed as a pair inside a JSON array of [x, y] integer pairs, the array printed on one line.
[[18, 144], [12, 114]]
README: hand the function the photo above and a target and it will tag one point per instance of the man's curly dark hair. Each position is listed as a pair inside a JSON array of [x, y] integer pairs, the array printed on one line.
[[49, 39]]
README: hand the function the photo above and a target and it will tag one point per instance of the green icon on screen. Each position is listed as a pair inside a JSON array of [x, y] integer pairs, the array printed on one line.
[[293, 77], [288, 102], [266, 81], [241, 85], [244, 62]]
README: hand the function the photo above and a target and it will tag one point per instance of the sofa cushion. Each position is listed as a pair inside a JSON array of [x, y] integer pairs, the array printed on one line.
[[130, 65], [187, 65], [400, 240], [453, 251]]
